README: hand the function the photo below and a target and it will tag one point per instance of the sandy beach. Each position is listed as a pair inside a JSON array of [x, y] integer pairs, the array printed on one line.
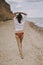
[[32, 45]]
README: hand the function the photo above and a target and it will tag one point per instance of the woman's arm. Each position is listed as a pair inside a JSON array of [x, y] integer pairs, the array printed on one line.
[[19, 12], [23, 13], [16, 13]]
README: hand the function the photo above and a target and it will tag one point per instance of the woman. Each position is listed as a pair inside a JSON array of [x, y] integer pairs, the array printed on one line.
[[19, 21]]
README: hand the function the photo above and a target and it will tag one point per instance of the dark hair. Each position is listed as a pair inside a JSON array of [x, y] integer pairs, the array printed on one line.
[[19, 17]]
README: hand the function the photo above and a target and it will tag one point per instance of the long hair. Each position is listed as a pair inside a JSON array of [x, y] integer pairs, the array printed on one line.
[[19, 17]]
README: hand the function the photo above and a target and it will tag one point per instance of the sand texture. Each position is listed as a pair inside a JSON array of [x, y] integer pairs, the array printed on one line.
[[32, 45]]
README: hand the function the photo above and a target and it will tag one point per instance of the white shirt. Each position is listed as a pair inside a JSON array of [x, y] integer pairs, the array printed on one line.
[[19, 26]]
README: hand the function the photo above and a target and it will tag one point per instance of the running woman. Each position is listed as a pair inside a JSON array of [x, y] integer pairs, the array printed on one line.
[[19, 21]]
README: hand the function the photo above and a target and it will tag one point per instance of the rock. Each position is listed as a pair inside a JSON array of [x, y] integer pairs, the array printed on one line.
[[5, 12]]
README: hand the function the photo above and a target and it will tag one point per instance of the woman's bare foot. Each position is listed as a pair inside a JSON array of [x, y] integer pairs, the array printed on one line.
[[21, 55]]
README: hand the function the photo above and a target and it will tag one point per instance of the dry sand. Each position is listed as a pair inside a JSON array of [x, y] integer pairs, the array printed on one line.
[[32, 45]]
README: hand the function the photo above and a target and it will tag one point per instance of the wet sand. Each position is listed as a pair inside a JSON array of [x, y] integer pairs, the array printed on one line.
[[32, 45]]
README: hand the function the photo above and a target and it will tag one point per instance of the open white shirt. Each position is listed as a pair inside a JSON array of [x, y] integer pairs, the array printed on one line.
[[19, 26]]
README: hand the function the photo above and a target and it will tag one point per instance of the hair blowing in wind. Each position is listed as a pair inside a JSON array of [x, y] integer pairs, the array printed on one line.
[[19, 17]]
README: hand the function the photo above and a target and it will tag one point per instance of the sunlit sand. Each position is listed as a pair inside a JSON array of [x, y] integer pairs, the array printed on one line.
[[32, 45]]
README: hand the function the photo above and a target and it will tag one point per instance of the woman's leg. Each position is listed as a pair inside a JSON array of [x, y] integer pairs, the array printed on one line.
[[21, 38], [19, 42]]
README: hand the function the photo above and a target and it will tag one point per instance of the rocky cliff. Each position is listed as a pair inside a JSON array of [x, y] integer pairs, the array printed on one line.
[[5, 12]]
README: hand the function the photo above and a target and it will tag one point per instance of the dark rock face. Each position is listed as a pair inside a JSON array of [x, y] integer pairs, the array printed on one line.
[[5, 12]]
